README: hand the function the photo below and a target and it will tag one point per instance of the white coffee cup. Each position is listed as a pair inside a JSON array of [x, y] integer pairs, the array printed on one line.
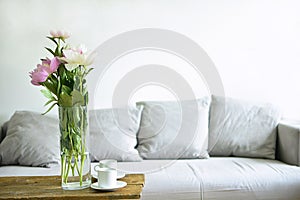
[[109, 163], [107, 177]]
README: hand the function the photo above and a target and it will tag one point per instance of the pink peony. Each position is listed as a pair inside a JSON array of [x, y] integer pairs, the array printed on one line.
[[51, 65], [41, 73], [38, 75], [60, 34]]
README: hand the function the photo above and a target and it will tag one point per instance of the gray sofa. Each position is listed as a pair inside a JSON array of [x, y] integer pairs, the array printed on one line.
[[256, 157]]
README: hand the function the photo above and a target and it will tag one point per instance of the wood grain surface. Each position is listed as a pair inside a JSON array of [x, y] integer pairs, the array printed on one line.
[[49, 187]]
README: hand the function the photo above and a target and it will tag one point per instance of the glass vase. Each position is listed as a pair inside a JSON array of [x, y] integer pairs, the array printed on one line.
[[75, 161]]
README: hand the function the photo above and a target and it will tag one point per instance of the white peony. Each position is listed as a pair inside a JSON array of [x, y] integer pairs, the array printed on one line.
[[75, 57]]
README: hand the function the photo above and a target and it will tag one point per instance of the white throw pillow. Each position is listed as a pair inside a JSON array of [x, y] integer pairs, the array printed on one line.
[[113, 133], [32, 139], [172, 130], [239, 128]]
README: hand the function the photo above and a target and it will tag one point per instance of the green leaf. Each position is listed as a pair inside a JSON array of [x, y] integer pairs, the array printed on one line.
[[58, 87], [47, 94], [50, 101], [88, 71], [66, 89], [76, 141], [86, 97], [51, 51], [57, 51], [77, 98], [65, 135], [49, 109], [50, 86], [52, 39], [77, 82], [65, 100]]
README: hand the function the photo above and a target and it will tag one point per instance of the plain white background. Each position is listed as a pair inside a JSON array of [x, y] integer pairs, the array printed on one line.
[[255, 45]]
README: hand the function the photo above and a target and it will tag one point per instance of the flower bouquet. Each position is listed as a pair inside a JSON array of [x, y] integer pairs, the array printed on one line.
[[64, 80]]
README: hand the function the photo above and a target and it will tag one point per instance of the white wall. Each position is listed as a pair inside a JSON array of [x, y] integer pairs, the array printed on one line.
[[255, 44]]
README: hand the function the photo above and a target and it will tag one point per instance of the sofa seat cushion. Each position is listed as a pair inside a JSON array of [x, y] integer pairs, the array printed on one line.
[[218, 178], [215, 178]]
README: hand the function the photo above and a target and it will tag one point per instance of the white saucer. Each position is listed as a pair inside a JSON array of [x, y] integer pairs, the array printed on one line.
[[119, 175], [120, 184]]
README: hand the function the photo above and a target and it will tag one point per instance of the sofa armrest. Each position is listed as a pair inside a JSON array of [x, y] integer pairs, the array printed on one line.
[[288, 143]]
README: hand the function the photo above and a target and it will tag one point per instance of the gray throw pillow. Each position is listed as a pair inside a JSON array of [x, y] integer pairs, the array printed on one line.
[[32, 140], [172, 130], [3, 131], [113, 133], [239, 128]]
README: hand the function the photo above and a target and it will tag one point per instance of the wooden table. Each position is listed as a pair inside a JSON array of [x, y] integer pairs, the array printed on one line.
[[49, 187]]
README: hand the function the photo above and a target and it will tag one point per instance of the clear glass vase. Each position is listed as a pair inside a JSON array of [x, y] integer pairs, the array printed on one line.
[[75, 161]]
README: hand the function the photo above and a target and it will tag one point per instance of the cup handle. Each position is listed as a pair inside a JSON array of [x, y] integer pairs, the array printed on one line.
[[95, 167]]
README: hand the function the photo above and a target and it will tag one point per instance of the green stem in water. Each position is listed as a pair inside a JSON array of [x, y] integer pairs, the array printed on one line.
[[63, 165], [73, 157], [76, 164], [67, 172], [81, 167], [82, 155]]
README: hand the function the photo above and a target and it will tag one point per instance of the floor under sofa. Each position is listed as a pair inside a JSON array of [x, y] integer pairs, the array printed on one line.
[[214, 178]]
